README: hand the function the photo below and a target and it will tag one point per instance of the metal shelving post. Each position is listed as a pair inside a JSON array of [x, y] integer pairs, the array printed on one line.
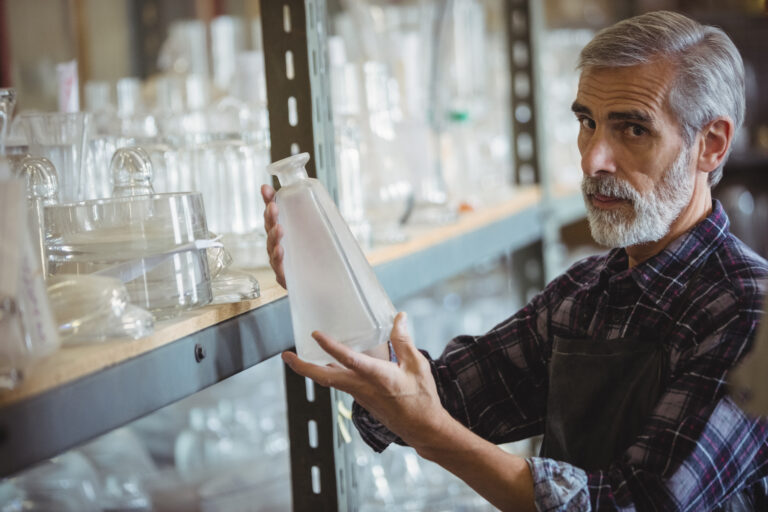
[[522, 17], [298, 94]]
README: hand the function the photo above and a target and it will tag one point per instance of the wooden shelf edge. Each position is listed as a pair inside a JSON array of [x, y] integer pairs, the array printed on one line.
[[73, 362]]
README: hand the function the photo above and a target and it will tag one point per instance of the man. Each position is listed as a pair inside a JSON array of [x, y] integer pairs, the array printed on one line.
[[621, 362]]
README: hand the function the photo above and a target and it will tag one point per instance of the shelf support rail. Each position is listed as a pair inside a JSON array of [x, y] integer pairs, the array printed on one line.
[[300, 119]]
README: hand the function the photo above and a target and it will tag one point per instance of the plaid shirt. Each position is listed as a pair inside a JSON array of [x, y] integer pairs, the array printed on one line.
[[698, 449]]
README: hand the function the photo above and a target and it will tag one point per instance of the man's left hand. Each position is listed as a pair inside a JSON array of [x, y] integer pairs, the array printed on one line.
[[402, 395]]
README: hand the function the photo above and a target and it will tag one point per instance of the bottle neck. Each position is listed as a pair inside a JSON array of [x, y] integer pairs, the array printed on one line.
[[292, 175]]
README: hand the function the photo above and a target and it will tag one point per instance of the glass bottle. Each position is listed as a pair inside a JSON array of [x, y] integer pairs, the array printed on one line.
[[332, 288]]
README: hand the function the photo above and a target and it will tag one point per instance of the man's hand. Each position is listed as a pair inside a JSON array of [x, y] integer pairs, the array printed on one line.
[[274, 233], [403, 395]]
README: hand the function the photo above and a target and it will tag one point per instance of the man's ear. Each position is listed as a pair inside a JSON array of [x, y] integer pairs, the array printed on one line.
[[715, 139]]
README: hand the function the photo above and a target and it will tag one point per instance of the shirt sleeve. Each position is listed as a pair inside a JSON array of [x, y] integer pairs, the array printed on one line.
[[494, 384], [558, 486]]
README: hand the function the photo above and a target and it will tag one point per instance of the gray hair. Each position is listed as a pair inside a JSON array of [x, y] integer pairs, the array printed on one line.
[[710, 72]]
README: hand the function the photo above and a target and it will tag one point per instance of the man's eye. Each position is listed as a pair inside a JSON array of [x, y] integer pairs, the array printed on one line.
[[635, 130], [587, 123]]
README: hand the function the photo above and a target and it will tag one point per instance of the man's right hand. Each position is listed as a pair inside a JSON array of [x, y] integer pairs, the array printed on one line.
[[274, 233]]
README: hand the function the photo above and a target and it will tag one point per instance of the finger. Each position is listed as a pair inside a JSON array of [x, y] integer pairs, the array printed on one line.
[[402, 344], [351, 359], [276, 262], [274, 235], [276, 259], [267, 193], [271, 213], [338, 378]]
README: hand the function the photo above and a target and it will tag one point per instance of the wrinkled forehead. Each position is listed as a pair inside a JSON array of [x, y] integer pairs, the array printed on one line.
[[644, 87]]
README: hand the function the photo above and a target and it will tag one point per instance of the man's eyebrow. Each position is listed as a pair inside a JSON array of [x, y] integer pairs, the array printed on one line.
[[627, 115], [630, 115], [578, 108]]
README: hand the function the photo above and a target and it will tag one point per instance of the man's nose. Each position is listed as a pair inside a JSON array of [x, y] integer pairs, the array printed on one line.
[[597, 156]]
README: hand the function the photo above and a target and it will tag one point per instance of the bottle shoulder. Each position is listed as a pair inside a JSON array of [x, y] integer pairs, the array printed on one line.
[[304, 185]]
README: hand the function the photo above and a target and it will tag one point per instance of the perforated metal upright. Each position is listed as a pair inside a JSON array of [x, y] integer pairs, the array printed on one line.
[[524, 23], [521, 49], [298, 88], [295, 56]]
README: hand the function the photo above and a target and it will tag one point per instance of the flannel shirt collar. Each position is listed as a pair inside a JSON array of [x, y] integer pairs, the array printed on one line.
[[665, 274]]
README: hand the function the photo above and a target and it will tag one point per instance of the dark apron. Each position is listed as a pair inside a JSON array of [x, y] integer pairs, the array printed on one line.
[[602, 392]]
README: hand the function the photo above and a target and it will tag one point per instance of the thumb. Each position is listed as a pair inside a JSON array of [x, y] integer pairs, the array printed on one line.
[[401, 340]]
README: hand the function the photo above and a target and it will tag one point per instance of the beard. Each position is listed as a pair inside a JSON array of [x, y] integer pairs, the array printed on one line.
[[651, 214]]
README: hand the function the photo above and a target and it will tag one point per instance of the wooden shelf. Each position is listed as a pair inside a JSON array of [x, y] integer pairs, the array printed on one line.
[[433, 254], [422, 238], [73, 362], [81, 392]]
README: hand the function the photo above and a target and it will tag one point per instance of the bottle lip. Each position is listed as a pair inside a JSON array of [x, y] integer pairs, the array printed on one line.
[[290, 169]]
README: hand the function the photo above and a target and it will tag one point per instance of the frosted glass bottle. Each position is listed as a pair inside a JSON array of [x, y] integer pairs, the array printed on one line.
[[331, 286]]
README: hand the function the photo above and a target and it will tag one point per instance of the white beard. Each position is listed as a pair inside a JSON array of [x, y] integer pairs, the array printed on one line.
[[652, 214]]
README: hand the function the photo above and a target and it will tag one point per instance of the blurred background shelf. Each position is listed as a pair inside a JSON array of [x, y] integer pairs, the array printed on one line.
[[567, 206], [432, 255]]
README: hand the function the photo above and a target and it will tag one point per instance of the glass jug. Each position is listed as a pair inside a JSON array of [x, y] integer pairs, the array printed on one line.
[[331, 286]]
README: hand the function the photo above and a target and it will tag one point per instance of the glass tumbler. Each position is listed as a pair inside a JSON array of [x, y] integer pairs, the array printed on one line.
[[62, 139], [229, 174]]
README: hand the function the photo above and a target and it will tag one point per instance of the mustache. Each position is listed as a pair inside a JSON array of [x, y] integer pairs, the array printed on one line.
[[608, 186]]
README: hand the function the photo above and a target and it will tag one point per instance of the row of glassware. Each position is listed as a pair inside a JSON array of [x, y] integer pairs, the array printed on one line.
[[116, 193], [114, 264], [418, 91], [120, 237], [107, 268]]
